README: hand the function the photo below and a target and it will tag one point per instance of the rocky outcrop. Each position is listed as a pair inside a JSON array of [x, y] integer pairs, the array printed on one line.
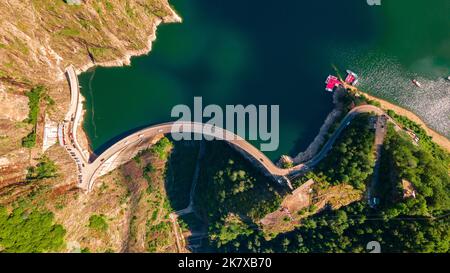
[[37, 46]]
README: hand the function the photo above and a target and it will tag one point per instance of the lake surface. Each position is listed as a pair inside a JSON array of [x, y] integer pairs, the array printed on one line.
[[248, 52]]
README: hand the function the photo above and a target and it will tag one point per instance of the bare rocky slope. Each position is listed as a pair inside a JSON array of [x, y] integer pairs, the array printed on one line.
[[38, 40]]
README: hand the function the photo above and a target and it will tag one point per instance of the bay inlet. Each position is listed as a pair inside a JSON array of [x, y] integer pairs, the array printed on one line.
[[236, 52]]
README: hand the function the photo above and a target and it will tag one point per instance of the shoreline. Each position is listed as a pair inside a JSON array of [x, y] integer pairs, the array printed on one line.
[[125, 60], [315, 145], [129, 54], [438, 138], [301, 156]]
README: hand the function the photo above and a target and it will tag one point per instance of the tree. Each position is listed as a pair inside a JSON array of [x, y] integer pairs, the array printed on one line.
[[98, 223], [46, 168], [25, 230]]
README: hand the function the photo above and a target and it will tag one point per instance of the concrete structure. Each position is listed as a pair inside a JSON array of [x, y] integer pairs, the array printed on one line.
[[50, 134], [351, 78], [67, 131], [331, 83], [127, 148]]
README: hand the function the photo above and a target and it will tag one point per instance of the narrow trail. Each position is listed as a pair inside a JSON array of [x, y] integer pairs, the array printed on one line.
[[380, 134]]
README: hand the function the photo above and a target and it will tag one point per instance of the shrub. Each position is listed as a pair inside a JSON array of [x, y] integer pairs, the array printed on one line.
[[29, 231], [162, 148], [34, 99], [30, 140], [46, 168], [98, 223]]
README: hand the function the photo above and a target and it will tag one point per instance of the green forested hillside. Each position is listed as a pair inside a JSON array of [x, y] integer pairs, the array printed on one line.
[[410, 224]]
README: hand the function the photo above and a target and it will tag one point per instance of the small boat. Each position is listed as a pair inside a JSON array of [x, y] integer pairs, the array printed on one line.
[[448, 78], [416, 83]]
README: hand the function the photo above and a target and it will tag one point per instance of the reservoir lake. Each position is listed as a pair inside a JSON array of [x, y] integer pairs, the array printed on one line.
[[277, 53]]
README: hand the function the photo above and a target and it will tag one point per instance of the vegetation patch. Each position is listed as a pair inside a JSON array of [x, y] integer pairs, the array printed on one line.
[[46, 168], [424, 140], [351, 160], [129, 10], [162, 148], [98, 53], [416, 164], [230, 188], [151, 228], [401, 223], [29, 231], [98, 223], [34, 98], [69, 32], [229, 228], [157, 8], [158, 236], [313, 196], [349, 229]]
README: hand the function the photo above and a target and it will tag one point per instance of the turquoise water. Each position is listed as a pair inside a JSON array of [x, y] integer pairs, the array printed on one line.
[[413, 43], [246, 52]]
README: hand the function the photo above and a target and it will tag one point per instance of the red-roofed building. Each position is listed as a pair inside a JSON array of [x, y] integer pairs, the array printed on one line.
[[351, 78], [331, 83]]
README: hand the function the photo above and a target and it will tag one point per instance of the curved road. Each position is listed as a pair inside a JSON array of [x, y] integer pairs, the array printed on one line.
[[89, 171], [92, 170]]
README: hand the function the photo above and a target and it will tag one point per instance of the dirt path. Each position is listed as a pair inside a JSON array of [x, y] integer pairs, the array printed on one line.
[[380, 134]]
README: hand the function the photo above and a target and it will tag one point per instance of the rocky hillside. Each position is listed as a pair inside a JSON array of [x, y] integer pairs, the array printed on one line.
[[38, 40], [36, 46]]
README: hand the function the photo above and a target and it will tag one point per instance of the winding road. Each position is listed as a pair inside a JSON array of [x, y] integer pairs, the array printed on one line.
[[126, 148]]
